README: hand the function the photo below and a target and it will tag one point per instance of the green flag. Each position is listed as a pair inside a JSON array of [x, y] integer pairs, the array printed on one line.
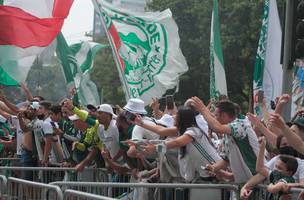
[[217, 71], [5, 79], [77, 61]]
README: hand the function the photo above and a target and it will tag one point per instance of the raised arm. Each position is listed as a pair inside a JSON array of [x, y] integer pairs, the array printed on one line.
[[160, 130], [260, 166], [11, 106], [215, 125], [26, 91], [293, 139], [270, 136]]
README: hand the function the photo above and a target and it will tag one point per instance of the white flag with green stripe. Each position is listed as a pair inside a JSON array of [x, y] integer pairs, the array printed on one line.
[[77, 62], [268, 72], [218, 84]]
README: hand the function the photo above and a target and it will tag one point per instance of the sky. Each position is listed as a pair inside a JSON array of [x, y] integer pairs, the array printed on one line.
[[79, 21]]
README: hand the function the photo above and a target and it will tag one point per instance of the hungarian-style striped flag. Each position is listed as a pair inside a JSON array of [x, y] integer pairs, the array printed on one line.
[[27, 27]]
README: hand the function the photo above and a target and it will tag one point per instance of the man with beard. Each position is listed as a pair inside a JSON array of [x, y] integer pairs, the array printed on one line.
[[28, 155], [125, 133]]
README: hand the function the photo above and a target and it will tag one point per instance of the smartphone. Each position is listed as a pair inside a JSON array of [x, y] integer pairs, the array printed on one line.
[[260, 96], [170, 102], [272, 105], [53, 124], [130, 116]]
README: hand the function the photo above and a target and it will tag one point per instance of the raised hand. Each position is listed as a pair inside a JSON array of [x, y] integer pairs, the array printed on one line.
[[262, 142], [277, 120], [255, 121], [198, 104], [284, 99]]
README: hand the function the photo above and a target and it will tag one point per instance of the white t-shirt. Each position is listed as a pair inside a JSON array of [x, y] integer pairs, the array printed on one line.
[[110, 137], [202, 123], [19, 134], [199, 152], [299, 173], [48, 130], [140, 133]]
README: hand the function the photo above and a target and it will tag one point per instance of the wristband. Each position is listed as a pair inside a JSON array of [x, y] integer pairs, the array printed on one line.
[[161, 148]]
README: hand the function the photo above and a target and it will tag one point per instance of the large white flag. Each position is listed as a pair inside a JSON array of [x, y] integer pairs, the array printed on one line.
[[146, 46], [268, 72]]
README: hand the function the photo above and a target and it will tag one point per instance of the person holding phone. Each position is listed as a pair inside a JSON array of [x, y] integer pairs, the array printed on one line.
[[137, 107]]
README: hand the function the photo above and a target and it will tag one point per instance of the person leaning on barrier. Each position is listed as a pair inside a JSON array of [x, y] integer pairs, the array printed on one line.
[[195, 148], [281, 177], [137, 107], [87, 149], [240, 140], [51, 132], [90, 142], [125, 133]]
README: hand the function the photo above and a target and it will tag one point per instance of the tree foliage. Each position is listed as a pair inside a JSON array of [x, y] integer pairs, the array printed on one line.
[[240, 23]]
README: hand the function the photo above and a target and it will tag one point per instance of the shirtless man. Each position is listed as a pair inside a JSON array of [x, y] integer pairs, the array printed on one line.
[[28, 158]]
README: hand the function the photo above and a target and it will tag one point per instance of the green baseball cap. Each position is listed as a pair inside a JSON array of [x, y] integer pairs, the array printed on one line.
[[299, 120]]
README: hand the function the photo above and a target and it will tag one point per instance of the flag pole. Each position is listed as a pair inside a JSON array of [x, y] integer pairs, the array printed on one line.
[[116, 59]]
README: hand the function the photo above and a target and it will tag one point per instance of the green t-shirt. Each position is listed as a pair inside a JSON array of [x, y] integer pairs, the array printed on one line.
[[276, 177]]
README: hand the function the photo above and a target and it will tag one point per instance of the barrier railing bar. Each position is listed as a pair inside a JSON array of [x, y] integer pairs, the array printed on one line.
[[292, 190], [68, 193], [49, 169], [3, 184], [148, 185], [35, 184]]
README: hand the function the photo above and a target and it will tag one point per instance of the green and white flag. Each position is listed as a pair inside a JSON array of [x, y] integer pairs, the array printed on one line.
[[146, 48], [268, 72], [218, 84], [77, 62]]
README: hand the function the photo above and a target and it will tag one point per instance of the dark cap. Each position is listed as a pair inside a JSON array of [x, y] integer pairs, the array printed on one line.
[[91, 107], [299, 120]]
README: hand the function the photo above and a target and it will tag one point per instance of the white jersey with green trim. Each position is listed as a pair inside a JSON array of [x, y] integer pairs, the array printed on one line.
[[199, 153], [241, 149]]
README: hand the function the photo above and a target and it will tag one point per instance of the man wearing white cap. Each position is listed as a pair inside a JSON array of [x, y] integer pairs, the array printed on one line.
[[137, 106], [105, 123]]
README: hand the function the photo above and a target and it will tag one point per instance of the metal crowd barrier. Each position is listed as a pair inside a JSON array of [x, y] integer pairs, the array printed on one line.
[[21, 189], [88, 187], [262, 193], [78, 195], [52, 174], [3, 186]]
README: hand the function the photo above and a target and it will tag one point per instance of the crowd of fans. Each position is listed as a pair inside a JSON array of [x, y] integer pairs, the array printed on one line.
[[193, 143]]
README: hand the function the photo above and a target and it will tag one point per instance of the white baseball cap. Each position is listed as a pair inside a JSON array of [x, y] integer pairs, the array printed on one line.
[[105, 108], [136, 106]]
